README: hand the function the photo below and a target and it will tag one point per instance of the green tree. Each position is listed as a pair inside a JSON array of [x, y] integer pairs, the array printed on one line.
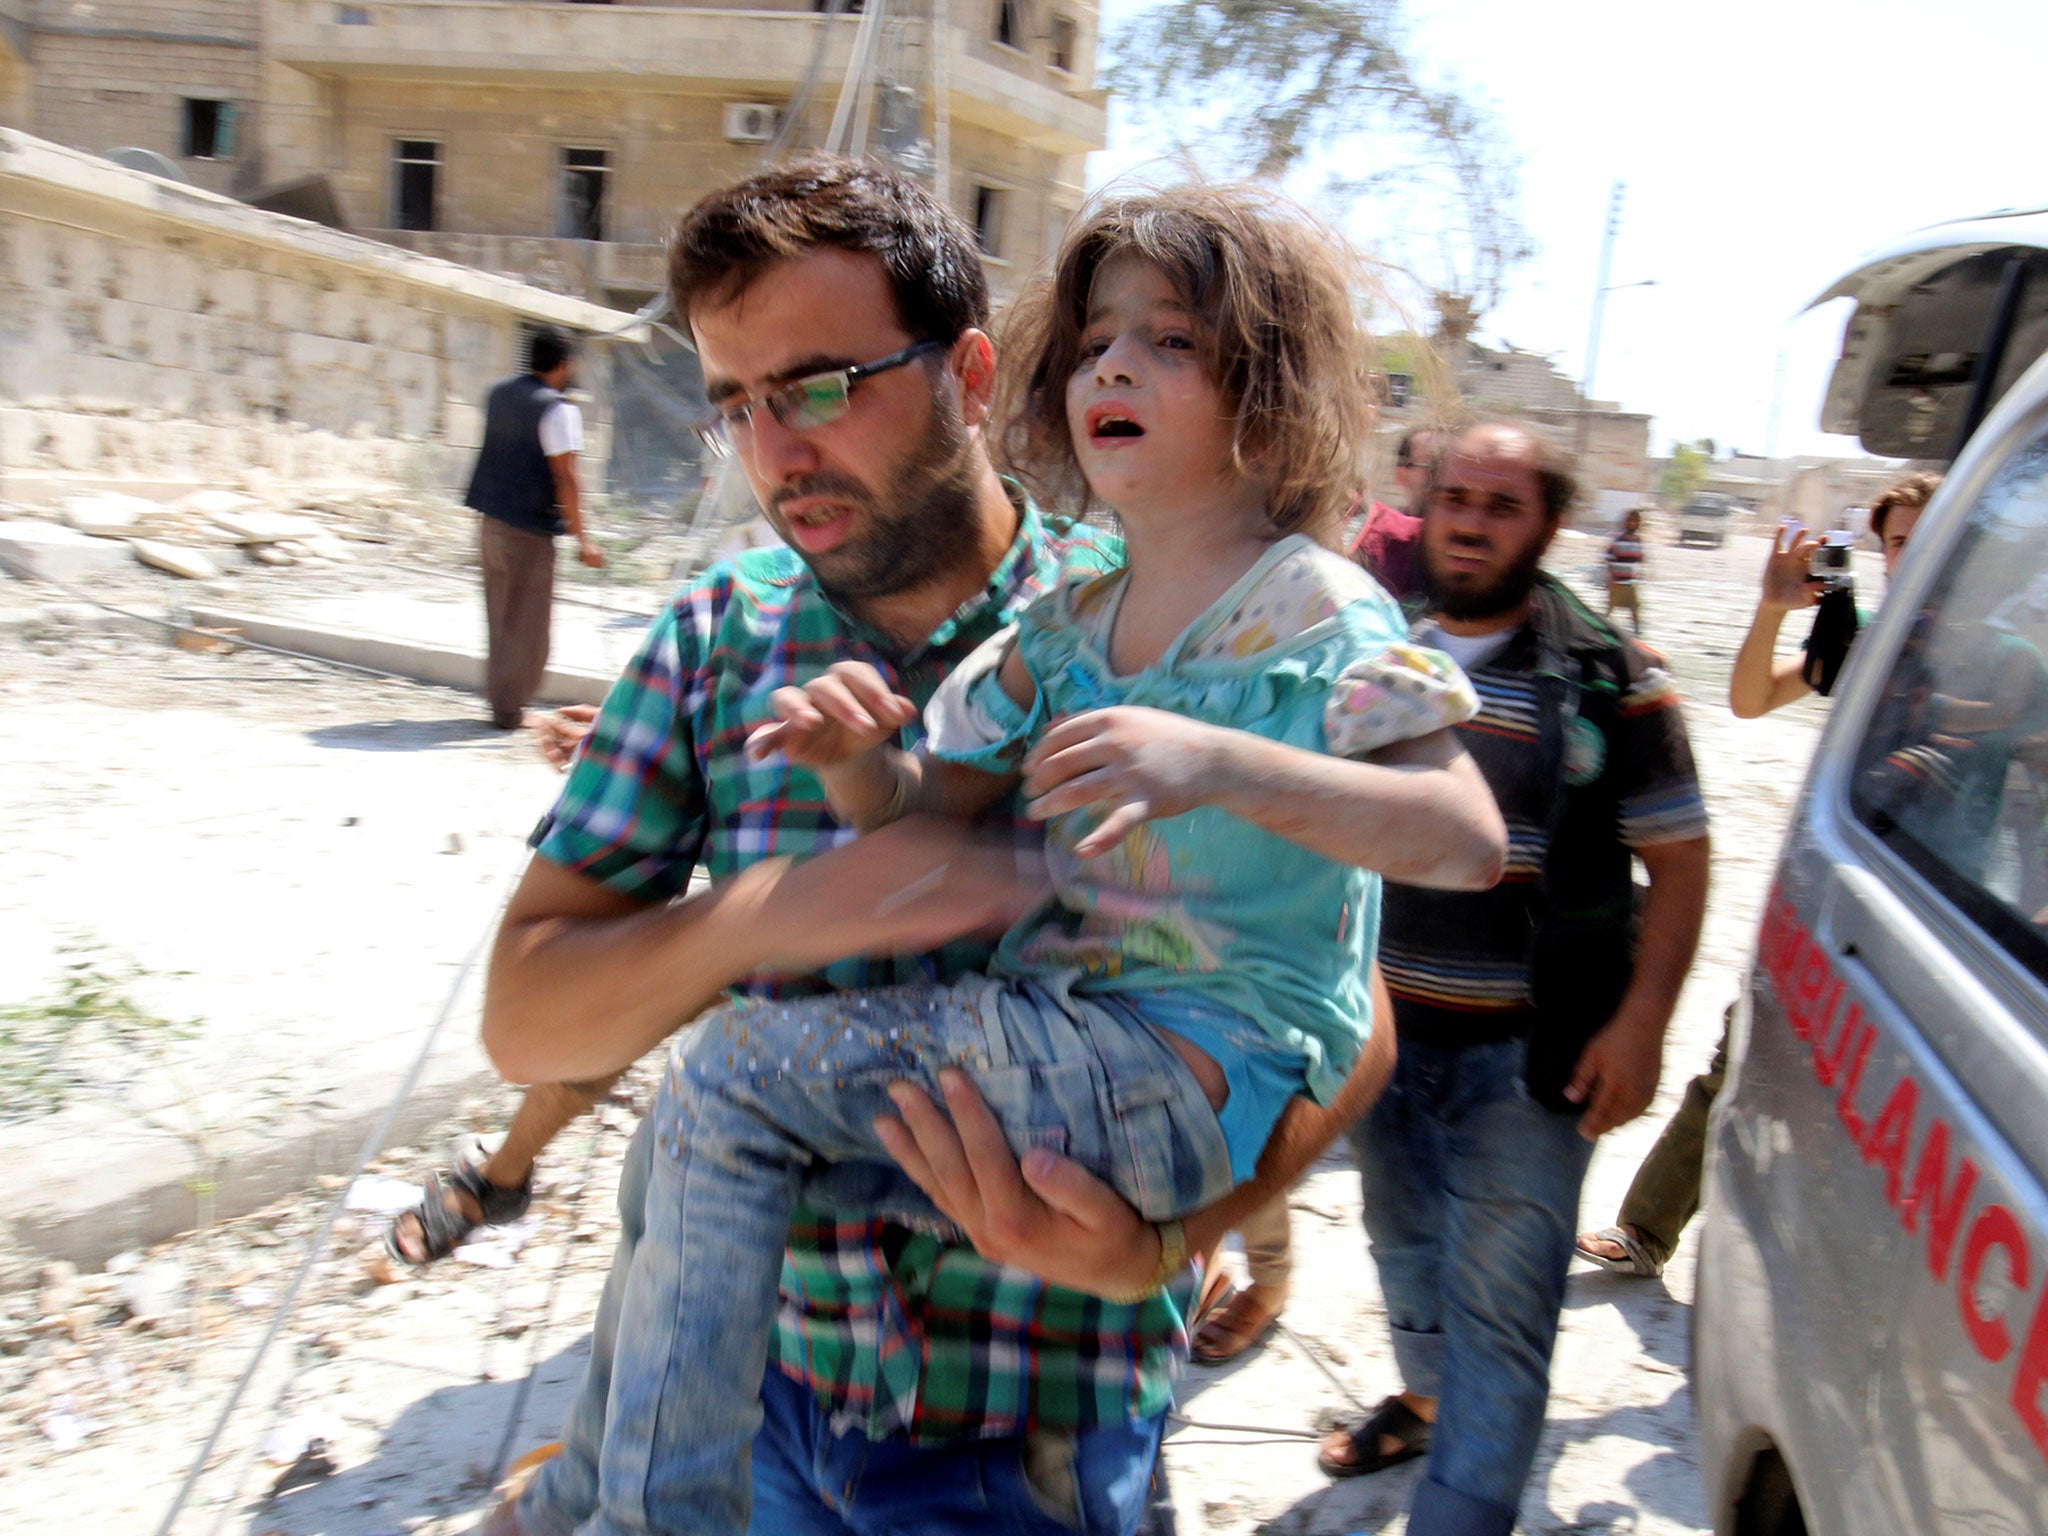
[[1270, 84], [1686, 472]]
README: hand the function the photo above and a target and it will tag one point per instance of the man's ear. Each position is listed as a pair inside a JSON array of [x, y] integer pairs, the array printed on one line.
[[973, 362]]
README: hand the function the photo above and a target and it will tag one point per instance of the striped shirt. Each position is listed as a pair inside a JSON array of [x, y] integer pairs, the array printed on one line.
[[894, 1330], [1457, 962]]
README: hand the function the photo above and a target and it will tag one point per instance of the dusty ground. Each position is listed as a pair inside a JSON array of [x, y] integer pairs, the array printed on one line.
[[149, 773]]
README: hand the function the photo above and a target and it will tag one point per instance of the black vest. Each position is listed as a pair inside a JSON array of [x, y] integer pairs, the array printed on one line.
[[512, 481]]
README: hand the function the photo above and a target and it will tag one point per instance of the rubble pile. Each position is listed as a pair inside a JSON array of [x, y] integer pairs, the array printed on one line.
[[146, 1349]]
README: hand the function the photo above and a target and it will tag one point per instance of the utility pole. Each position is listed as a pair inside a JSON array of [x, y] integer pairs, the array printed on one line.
[[1614, 199]]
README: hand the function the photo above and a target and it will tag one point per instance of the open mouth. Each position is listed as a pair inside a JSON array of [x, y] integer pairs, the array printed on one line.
[[1107, 421]]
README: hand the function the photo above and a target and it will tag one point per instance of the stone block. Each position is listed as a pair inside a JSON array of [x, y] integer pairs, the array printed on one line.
[[189, 563], [46, 552], [265, 527], [214, 503], [109, 515]]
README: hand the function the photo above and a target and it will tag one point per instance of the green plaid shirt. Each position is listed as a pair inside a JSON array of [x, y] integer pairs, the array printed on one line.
[[894, 1330]]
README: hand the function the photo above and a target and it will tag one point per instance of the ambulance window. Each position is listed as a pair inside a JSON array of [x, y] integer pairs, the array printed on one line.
[[1952, 772]]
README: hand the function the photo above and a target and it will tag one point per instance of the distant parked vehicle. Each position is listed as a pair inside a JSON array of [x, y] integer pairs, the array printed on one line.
[[1705, 519]]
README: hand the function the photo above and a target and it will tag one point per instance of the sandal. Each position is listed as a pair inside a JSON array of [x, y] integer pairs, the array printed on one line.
[[442, 1223], [1393, 1418], [1239, 1321], [1639, 1261]]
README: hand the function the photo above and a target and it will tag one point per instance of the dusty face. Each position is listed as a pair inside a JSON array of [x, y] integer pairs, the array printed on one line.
[[1484, 527], [1899, 524], [1150, 429], [879, 501]]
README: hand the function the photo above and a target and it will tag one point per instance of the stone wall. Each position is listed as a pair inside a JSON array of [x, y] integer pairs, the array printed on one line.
[[162, 338]]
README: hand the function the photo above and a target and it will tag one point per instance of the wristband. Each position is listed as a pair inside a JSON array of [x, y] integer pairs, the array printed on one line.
[[1173, 1257]]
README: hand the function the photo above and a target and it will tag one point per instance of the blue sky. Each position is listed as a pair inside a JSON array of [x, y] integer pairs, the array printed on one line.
[[1765, 147]]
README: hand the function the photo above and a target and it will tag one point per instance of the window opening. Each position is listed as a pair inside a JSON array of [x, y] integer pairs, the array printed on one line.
[[415, 182], [586, 178]]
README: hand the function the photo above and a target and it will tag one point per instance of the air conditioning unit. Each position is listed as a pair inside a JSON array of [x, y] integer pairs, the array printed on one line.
[[749, 122]]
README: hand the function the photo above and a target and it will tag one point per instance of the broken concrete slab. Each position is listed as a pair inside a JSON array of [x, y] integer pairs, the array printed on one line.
[[255, 527], [108, 516], [214, 503], [47, 552], [189, 563]]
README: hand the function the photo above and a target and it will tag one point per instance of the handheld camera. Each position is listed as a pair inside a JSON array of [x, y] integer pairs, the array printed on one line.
[[1830, 563]]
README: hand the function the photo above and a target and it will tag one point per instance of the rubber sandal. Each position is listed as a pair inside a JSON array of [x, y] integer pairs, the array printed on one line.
[[1639, 1261], [441, 1229], [1242, 1320], [1392, 1417]]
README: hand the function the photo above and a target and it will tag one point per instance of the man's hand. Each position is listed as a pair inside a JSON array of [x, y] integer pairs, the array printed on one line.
[[1617, 1074], [588, 551], [1788, 571], [1046, 1215], [559, 732], [910, 887], [833, 718], [1137, 764]]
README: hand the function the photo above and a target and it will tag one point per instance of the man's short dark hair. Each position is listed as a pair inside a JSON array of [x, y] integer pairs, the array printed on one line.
[[827, 202], [547, 349], [1914, 492], [1404, 451]]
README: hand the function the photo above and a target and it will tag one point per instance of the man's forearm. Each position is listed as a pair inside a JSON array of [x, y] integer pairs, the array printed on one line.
[[1422, 816], [570, 998], [568, 494], [1758, 684], [1303, 1133], [1673, 913]]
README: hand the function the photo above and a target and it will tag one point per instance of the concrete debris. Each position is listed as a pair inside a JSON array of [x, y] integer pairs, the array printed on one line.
[[46, 552], [270, 554], [381, 1196], [207, 642], [189, 563], [212, 504], [108, 516], [65, 1428], [154, 1290], [257, 527]]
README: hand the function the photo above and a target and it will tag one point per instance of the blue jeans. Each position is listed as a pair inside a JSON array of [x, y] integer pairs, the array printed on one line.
[[809, 1481], [1471, 1203], [764, 1102]]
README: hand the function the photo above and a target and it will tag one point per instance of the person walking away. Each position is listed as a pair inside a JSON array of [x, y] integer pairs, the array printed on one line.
[[1530, 1017], [526, 489], [1625, 570]]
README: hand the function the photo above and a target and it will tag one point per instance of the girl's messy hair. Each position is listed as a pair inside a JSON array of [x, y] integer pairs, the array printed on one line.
[[1284, 342]]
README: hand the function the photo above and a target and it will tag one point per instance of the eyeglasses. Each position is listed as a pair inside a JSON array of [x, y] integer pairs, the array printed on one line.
[[801, 404]]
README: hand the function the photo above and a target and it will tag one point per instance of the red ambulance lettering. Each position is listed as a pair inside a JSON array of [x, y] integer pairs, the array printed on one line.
[[1890, 1134], [1993, 1228], [1943, 1201]]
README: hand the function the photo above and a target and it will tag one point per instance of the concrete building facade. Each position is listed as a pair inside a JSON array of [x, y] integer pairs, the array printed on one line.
[[1612, 446], [557, 141]]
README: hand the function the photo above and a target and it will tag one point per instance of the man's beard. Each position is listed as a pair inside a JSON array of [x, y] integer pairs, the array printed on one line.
[[1505, 592], [929, 526]]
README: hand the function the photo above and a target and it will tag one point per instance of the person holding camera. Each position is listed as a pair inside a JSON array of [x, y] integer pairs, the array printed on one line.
[[1762, 681], [1804, 570]]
